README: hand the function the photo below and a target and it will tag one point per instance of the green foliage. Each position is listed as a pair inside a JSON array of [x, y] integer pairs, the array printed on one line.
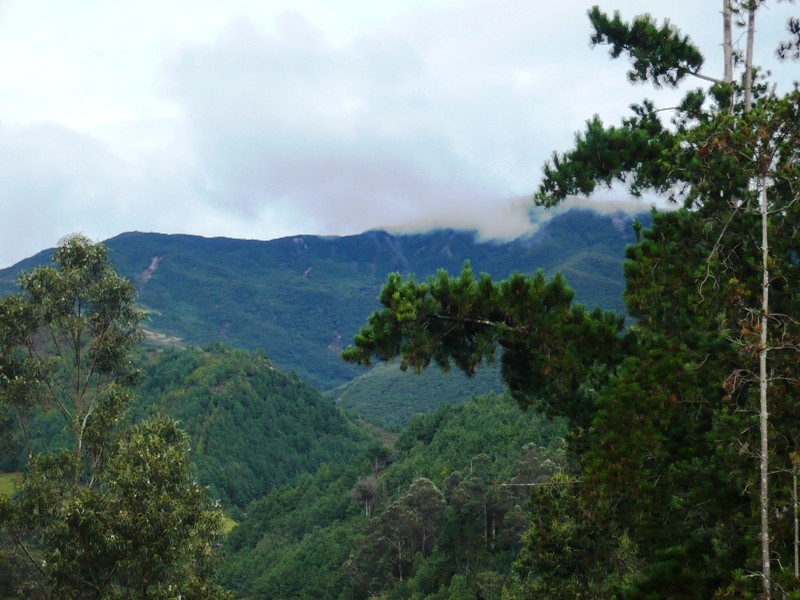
[[687, 460], [300, 299], [300, 528], [660, 55], [66, 339], [146, 528], [706, 159], [116, 512], [569, 552], [790, 48], [252, 427], [445, 507], [636, 153], [386, 395], [667, 458], [481, 457], [8, 482], [547, 342], [159, 513]]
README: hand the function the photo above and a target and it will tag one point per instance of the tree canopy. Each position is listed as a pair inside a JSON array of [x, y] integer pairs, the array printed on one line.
[[683, 424], [118, 514]]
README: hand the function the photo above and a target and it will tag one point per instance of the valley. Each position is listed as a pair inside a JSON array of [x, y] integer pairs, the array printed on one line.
[[234, 331]]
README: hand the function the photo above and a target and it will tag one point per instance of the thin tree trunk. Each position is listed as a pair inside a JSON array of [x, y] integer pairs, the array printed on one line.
[[485, 519], [727, 40], [763, 379], [796, 524], [400, 562], [763, 385], [748, 60]]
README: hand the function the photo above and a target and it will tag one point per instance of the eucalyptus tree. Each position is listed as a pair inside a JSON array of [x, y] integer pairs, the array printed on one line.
[[116, 513], [66, 341]]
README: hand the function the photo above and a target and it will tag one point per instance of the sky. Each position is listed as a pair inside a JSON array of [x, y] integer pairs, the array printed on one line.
[[259, 119]]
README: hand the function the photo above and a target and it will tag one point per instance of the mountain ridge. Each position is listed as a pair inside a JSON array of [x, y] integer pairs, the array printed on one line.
[[302, 298]]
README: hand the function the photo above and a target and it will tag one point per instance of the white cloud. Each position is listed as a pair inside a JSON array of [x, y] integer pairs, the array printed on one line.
[[259, 118]]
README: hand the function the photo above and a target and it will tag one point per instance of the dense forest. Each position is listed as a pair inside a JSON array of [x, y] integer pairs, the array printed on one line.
[[448, 503], [252, 427], [682, 426], [647, 454]]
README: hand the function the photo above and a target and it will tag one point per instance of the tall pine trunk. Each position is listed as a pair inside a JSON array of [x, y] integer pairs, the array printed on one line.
[[748, 56], [727, 41], [763, 418], [763, 378]]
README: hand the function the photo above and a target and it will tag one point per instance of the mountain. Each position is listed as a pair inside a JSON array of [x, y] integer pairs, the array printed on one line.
[[459, 476], [384, 394], [252, 427], [301, 299]]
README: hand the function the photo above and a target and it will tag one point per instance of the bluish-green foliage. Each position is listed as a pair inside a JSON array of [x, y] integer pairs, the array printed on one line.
[[386, 395]]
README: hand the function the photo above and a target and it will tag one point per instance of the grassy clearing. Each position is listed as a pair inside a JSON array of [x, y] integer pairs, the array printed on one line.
[[8, 483], [227, 525]]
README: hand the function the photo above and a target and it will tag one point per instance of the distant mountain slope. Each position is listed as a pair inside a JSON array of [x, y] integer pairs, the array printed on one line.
[[387, 395], [251, 426], [301, 299]]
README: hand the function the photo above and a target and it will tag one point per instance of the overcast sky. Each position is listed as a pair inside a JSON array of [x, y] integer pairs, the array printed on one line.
[[264, 118]]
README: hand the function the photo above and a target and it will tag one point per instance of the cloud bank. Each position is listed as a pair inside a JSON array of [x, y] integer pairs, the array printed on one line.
[[271, 118]]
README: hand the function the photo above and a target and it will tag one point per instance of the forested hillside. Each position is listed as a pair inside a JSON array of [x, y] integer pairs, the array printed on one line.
[[301, 299], [442, 512], [251, 426], [386, 395]]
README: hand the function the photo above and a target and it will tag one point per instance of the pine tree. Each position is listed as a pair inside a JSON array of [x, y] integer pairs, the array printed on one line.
[[731, 158], [661, 416]]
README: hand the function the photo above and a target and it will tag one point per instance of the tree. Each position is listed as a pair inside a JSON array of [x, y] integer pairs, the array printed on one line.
[[365, 490], [657, 415], [146, 528], [731, 158], [546, 342], [117, 513], [426, 505], [66, 340]]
